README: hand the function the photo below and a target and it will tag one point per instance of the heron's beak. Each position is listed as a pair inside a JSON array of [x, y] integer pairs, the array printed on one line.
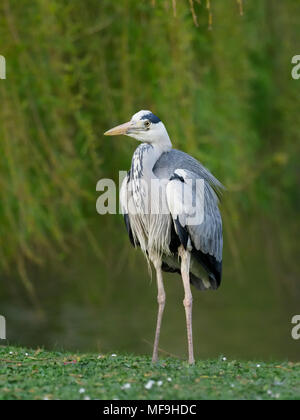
[[120, 129]]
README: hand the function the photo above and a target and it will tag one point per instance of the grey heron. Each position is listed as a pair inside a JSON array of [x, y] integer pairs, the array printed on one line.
[[167, 238]]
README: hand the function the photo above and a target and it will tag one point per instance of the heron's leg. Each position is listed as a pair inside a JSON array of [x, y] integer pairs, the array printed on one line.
[[161, 298], [188, 298]]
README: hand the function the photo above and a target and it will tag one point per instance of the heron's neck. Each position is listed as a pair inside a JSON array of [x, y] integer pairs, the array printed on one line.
[[144, 159]]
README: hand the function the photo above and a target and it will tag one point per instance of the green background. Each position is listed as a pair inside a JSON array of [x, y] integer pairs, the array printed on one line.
[[69, 277]]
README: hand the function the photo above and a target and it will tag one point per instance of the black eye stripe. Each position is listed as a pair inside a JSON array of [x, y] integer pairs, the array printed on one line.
[[151, 117]]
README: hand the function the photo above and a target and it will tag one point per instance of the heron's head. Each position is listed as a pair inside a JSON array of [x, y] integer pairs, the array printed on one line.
[[145, 127]]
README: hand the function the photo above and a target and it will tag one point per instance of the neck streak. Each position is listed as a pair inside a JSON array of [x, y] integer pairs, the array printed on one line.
[[144, 159]]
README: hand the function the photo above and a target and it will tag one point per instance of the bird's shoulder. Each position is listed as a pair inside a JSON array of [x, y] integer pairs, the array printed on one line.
[[173, 160]]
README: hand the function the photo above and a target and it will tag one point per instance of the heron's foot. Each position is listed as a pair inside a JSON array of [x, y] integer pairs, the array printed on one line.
[[154, 359]]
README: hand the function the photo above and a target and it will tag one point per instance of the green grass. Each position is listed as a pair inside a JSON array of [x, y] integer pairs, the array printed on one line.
[[39, 374]]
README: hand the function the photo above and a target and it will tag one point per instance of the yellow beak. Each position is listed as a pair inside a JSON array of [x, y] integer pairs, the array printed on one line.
[[118, 130]]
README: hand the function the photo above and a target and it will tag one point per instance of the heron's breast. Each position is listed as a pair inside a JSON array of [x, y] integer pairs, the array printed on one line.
[[152, 232]]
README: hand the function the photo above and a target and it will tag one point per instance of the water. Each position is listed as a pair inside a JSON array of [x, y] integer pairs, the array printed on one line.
[[110, 306]]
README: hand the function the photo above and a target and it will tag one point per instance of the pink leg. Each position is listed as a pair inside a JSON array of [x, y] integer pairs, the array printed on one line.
[[188, 298], [161, 298]]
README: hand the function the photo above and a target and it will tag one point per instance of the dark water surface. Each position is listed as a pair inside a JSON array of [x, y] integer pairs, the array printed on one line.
[[94, 305]]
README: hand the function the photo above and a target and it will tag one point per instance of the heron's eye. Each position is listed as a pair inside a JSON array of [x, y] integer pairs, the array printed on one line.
[[147, 124]]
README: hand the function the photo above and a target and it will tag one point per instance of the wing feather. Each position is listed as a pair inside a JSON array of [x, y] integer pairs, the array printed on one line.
[[206, 236], [124, 207]]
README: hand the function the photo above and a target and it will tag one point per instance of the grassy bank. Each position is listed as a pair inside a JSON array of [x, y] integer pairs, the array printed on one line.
[[39, 374]]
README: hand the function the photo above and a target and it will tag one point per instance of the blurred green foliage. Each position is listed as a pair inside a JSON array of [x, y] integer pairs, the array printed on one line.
[[225, 93]]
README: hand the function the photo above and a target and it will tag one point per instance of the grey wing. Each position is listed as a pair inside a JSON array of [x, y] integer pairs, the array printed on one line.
[[203, 234], [176, 159]]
